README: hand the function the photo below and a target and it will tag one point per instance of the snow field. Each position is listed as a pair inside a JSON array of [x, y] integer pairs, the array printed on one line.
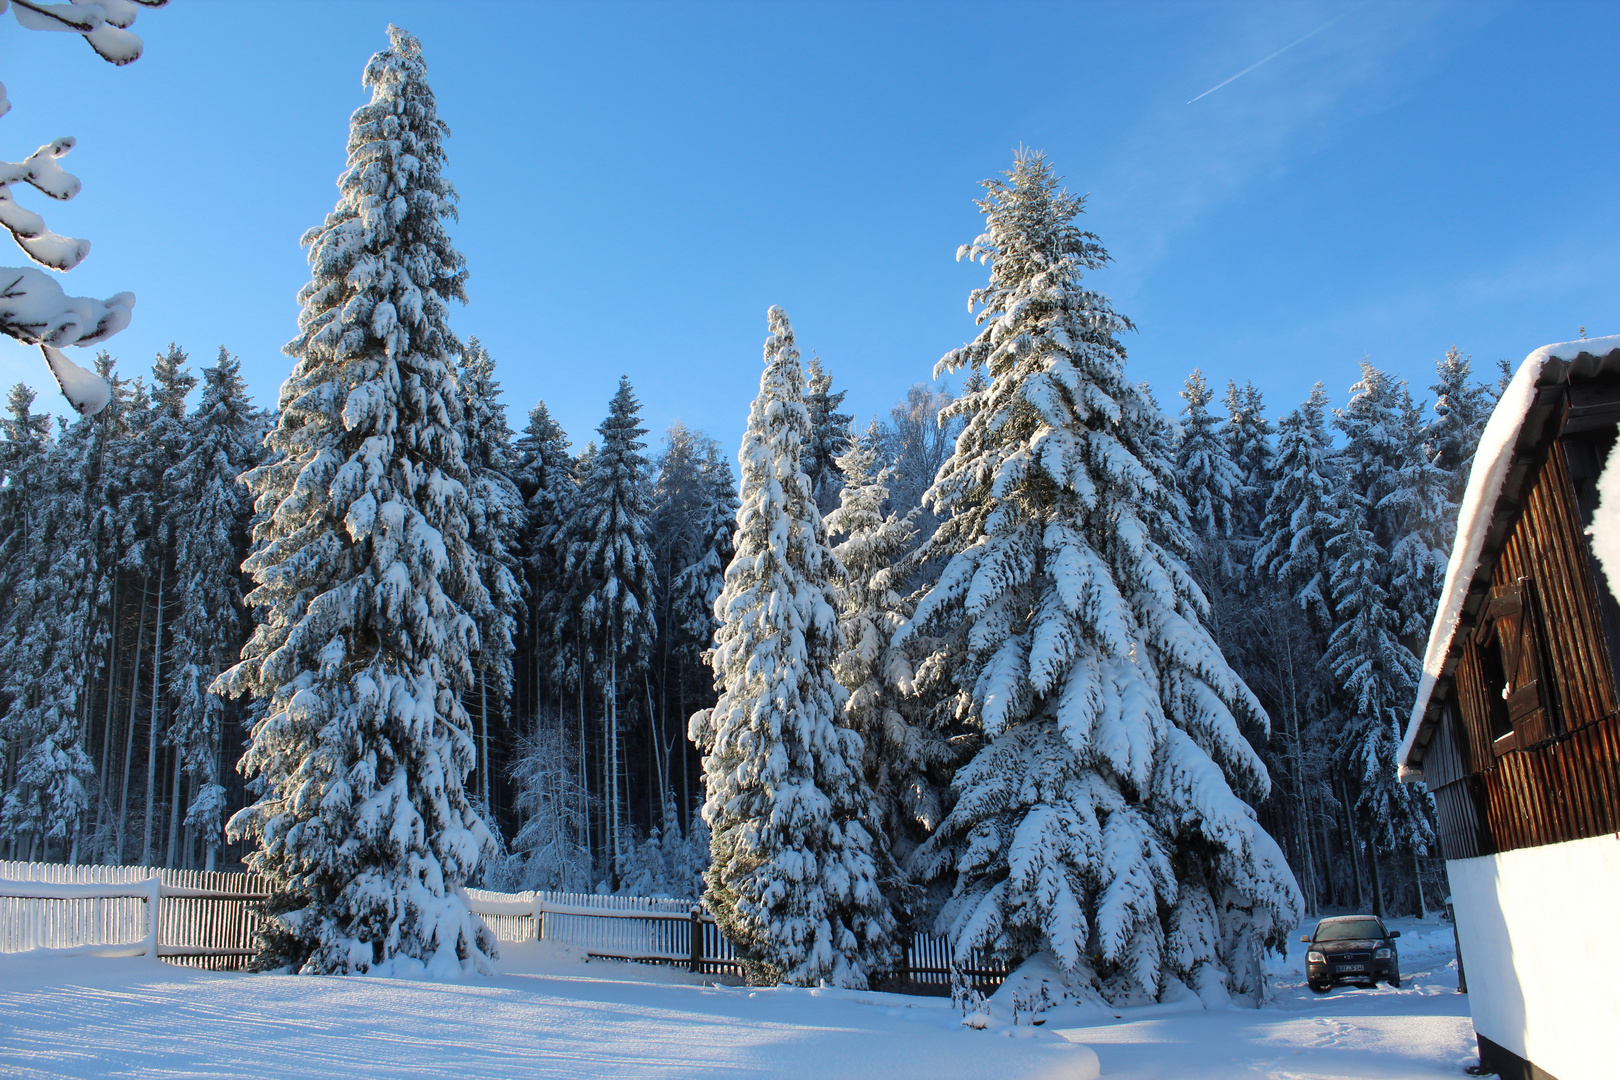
[[548, 1014], [1418, 1032]]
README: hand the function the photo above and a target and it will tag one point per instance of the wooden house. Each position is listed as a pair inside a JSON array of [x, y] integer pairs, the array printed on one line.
[[1516, 726]]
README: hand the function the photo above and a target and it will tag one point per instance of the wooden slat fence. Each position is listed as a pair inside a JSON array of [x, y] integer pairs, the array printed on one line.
[[649, 930], [205, 918], [214, 925]]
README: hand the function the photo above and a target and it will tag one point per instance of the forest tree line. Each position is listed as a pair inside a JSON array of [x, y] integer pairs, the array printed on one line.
[[1322, 542]]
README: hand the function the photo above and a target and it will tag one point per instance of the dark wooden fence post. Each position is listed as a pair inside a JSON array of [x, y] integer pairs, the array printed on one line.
[[697, 940]]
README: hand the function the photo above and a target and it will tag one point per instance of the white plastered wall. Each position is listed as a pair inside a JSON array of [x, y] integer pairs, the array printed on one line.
[[1540, 936]]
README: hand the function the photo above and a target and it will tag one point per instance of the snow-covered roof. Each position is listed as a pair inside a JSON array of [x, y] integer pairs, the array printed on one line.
[[1550, 366]]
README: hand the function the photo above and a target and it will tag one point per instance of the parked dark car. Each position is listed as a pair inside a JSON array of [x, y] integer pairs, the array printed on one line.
[[1351, 949]]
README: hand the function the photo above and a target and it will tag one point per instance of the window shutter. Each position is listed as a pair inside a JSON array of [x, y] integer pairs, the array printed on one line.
[[1510, 624]]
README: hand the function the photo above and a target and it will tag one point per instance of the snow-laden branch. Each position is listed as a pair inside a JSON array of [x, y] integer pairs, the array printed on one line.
[[103, 23], [34, 309]]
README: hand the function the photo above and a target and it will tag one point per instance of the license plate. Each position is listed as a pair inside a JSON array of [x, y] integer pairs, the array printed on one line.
[[1352, 967]]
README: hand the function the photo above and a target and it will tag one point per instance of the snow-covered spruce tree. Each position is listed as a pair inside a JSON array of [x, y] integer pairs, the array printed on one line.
[[364, 577], [495, 521], [1461, 409], [158, 438], [25, 612], [1421, 522], [1299, 513], [610, 558], [698, 585], [829, 435], [1209, 478], [1096, 830], [23, 459], [907, 762], [544, 473], [550, 850], [793, 883], [210, 514], [56, 642], [1376, 595], [1247, 435], [1378, 675]]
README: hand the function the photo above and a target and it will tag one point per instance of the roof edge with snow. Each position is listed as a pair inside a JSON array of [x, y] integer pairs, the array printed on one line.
[[1507, 432]]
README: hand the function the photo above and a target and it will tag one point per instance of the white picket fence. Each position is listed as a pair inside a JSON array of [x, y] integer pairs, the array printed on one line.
[[194, 917]]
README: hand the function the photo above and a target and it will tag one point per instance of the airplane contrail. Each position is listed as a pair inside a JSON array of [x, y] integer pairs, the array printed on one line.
[[1273, 56]]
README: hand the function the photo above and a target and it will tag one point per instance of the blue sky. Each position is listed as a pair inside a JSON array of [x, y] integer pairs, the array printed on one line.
[[639, 182]]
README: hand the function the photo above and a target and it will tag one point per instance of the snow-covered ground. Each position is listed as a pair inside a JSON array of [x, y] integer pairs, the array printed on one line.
[[1419, 1031], [551, 1015]]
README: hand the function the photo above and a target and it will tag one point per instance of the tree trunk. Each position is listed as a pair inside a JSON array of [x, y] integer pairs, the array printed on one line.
[[1377, 880], [107, 732], [176, 812], [584, 757], [152, 728], [1417, 880], [483, 742], [613, 764], [1354, 844], [129, 729]]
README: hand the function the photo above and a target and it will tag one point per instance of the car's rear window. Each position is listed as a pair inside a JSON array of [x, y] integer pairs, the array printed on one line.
[[1349, 929]]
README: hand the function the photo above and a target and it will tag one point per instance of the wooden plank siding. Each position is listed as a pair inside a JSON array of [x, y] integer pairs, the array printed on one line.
[[1556, 775]]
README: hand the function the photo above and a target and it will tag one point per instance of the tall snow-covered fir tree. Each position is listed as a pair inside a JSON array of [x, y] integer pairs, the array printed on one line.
[[907, 761], [364, 577], [544, 473], [1097, 827], [1209, 478], [57, 637], [1461, 409], [610, 558], [792, 882], [1375, 597], [495, 522], [1299, 513], [210, 512], [1247, 435], [829, 435]]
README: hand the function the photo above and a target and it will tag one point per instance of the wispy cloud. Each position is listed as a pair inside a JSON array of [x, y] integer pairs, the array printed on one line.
[[1177, 165], [1273, 56]]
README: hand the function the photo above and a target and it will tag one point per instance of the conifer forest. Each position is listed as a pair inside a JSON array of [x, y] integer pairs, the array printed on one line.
[[1043, 659]]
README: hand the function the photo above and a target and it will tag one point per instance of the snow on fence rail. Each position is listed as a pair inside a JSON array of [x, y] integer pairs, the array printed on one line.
[[198, 918]]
